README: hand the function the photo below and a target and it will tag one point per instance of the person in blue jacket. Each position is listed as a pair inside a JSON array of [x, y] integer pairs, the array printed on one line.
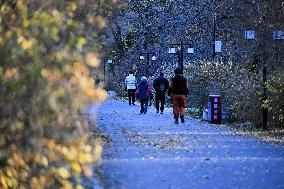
[[143, 91]]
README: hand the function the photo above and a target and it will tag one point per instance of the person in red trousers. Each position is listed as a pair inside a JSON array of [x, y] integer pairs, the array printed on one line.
[[178, 90]]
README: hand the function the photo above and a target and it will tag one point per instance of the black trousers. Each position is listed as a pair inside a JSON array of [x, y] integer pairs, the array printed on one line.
[[160, 98], [144, 105], [131, 96]]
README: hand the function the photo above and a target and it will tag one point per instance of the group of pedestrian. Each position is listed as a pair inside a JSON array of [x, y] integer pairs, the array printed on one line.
[[177, 89]]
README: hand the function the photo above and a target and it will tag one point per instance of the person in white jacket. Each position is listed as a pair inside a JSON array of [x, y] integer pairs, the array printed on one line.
[[130, 83]]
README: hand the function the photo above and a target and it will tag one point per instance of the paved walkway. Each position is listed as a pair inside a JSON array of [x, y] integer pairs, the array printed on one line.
[[151, 152]]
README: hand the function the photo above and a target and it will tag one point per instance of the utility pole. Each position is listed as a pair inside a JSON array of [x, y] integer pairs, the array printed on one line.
[[264, 49], [214, 30], [180, 52]]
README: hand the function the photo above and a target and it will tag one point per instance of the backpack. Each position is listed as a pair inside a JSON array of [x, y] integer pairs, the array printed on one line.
[[162, 87]]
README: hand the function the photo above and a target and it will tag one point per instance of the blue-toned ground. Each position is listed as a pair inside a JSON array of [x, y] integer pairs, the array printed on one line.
[[151, 152]]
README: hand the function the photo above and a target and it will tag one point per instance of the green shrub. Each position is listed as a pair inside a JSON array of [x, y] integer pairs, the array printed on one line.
[[239, 88], [193, 112], [275, 103]]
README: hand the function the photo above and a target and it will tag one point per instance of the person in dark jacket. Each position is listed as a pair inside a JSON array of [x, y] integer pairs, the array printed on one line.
[[143, 91], [161, 86], [178, 90]]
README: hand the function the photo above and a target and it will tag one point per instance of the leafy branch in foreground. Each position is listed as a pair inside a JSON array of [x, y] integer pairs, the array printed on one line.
[[45, 81]]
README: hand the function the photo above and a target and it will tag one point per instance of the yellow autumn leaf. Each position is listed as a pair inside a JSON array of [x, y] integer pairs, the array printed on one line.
[[50, 144], [28, 44], [98, 151], [44, 161], [75, 167], [92, 60], [79, 187], [71, 155], [63, 172], [101, 94], [90, 93], [44, 73], [66, 184], [11, 182], [59, 56], [57, 14], [26, 23], [81, 42], [85, 158], [54, 33], [9, 172], [88, 148], [3, 181], [18, 159], [73, 6], [42, 180], [34, 182], [87, 171], [100, 21]]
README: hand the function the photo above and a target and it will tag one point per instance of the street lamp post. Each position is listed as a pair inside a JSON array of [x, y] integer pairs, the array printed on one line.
[[109, 61], [148, 56], [180, 47]]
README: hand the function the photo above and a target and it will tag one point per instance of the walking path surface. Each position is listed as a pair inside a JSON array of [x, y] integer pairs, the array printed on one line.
[[151, 152]]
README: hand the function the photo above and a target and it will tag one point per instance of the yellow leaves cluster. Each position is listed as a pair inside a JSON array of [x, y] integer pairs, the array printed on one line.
[[57, 73], [52, 75], [26, 23], [98, 21], [40, 160], [7, 181], [17, 160], [81, 78], [81, 42], [73, 6], [92, 60], [71, 161], [26, 43], [54, 33], [16, 172], [62, 172], [39, 183]]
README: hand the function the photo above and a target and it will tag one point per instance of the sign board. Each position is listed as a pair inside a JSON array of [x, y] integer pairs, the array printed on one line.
[[249, 34], [141, 57], [190, 50], [172, 50], [218, 46], [278, 35], [109, 61]]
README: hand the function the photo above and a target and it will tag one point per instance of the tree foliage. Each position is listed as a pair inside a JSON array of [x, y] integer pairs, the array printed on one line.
[[159, 24], [46, 49], [275, 103]]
